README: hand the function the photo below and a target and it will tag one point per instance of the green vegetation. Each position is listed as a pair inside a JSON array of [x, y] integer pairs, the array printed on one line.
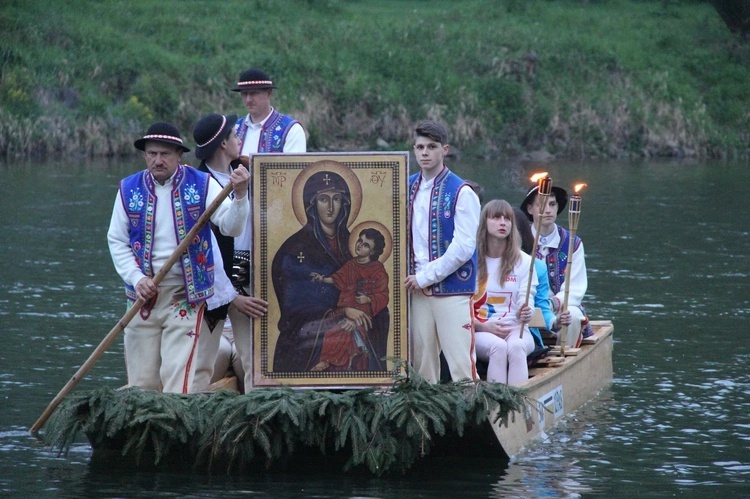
[[226, 431], [576, 78]]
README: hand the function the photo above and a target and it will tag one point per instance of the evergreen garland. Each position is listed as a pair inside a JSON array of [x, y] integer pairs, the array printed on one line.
[[381, 430]]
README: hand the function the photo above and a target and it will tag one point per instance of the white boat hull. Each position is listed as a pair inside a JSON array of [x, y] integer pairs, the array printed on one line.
[[554, 392]]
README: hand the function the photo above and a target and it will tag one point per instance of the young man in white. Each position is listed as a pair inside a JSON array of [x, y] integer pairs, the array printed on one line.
[[553, 250], [442, 267]]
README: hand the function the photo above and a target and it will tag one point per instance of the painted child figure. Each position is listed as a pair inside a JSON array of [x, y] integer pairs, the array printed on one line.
[[500, 310], [553, 249], [363, 285]]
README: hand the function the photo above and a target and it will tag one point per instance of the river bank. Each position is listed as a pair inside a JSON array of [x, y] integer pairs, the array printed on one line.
[[568, 78]]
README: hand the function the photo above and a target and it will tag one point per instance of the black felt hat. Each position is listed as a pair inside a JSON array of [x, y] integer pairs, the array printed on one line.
[[210, 131], [161, 132], [253, 79], [561, 195]]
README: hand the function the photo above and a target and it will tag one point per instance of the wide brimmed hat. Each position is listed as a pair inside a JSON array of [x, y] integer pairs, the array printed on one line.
[[210, 131], [253, 79], [561, 195], [161, 132]]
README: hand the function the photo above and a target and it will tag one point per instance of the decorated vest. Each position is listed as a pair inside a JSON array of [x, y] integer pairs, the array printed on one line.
[[189, 191], [557, 260], [443, 199], [274, 132]]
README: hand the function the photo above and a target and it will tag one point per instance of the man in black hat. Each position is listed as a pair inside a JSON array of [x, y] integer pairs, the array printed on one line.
[[218, 149], [264, 129], [553, 248], [154, 210]]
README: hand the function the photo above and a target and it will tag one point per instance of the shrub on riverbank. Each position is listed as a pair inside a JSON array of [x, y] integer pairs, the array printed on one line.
[[613, 77]]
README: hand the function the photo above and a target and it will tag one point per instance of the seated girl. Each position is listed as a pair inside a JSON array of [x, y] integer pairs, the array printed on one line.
[[500, 311]]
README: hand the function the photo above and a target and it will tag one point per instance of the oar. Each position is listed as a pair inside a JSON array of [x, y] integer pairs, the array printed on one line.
[[120, 326]]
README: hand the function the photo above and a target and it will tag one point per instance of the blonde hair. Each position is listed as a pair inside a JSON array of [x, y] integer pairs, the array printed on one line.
[[511, 253]]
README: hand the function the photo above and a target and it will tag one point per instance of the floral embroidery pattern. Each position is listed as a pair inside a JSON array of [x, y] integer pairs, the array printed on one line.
[[192, 196], [182, 309], [135, 203]]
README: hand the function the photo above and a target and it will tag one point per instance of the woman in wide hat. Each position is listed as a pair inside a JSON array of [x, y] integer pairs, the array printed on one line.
[[218, 148]]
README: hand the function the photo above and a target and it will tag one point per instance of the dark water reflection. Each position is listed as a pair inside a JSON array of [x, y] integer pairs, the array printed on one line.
[[668, 253]]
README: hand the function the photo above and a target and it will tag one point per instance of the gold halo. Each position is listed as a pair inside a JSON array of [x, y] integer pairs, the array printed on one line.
[[372, 224], [346, 173]]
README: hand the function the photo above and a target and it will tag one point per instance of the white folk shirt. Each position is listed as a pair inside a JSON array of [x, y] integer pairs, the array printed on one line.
[[230, 217], [244, 241], [578, 279], [224, 290], [461, 248], [295, 142]]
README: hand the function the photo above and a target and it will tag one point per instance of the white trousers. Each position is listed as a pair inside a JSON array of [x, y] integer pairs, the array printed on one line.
[[217, 350], [208, 348], [161, 342], [227, 358], [506, 357], [242, 331], [442, 323]]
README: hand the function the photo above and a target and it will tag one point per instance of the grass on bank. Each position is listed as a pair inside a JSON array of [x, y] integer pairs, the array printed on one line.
[[577, 78]]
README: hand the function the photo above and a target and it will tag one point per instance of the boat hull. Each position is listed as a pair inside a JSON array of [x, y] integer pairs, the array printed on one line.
[[558, 390]]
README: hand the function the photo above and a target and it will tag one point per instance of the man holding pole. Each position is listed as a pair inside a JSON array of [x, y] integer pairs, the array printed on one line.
[[153, 212], [553, 247]]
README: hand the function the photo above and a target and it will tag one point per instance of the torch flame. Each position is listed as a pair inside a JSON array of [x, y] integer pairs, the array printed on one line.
[[537, 176], [578, 188]]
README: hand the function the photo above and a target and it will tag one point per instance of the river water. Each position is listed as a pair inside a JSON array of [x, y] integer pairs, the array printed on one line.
[[668, 255]]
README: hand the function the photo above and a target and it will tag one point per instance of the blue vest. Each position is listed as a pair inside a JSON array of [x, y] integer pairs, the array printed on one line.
[[556, 261], [274, 132], [189, 192], [443, 200]]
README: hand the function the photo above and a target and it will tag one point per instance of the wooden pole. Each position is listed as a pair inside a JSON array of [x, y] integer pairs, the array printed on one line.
[[120, 326], [544, 189], [574, 214]]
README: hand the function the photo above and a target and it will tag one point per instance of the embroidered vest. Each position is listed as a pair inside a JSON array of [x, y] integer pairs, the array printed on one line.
[[274, 132], [556, 261], [443, 199], [189, 191]]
